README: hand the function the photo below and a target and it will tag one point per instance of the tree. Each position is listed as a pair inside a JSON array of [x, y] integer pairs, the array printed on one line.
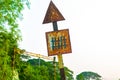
[[88, 76], [53, 72], [29, 72], [10, 12]]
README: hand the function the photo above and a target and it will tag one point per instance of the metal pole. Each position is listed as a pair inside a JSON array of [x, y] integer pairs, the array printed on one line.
[[54, 65], [55, 27], [62, 72], [60, 60], [39, 61]]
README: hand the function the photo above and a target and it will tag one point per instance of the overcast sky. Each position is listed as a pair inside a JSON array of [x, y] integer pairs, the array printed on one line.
[[94, 27]]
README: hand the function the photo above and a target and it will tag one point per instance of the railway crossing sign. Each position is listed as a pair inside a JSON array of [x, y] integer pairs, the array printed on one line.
[[58, 42]]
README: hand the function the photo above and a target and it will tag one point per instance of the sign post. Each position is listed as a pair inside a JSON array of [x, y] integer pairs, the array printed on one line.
[[58, 41], [60, 60]]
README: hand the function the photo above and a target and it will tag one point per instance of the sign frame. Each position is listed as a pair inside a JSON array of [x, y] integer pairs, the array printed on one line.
[[58, 42]]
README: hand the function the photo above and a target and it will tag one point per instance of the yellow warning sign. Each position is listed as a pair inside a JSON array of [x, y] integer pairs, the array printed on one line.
[[58, 42], [52, 14]]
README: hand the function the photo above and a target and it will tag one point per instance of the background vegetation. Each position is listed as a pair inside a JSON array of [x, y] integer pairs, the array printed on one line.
[[10, 13], [33, 70]]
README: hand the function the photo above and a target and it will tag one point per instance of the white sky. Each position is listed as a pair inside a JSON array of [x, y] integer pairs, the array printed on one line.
[[94, 27]]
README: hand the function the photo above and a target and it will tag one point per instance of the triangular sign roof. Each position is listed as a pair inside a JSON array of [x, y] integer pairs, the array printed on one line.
[[52, 14]]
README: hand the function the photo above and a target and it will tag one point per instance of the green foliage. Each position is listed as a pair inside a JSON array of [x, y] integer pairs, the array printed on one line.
[[42, 71], [88, 76], [33, 71], [28, 72], [10, 11], [69, 74]]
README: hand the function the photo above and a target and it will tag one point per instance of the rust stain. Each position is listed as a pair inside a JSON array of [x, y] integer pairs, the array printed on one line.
[[52, 14], [58, 42]]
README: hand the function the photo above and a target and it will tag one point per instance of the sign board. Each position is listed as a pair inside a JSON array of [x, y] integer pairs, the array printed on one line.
[[58, 42], [52, 14]]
